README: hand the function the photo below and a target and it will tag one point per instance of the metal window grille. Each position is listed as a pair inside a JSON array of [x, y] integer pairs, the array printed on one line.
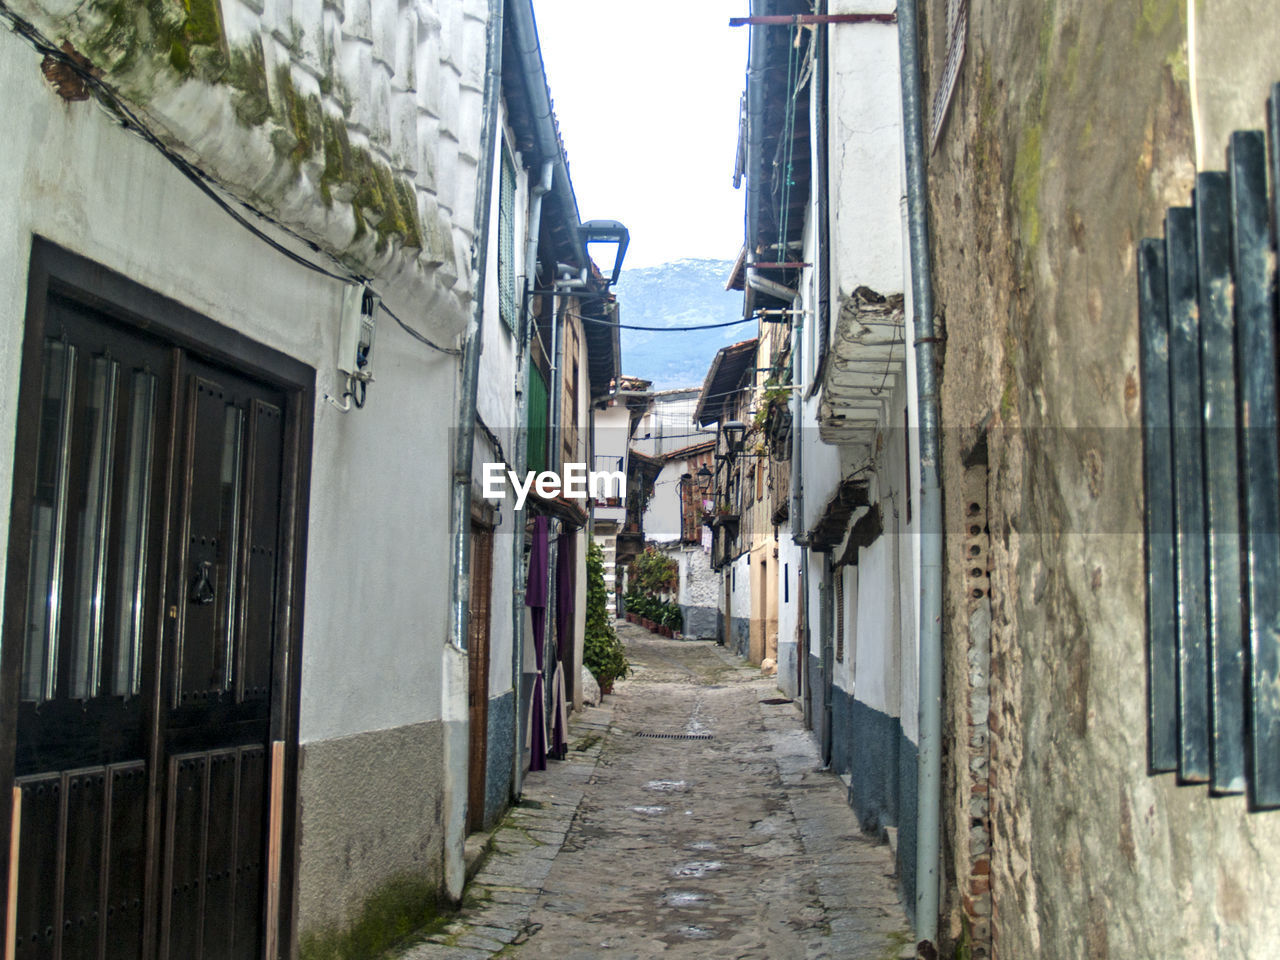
[[1207, 315], [507, 241], [957, 26]]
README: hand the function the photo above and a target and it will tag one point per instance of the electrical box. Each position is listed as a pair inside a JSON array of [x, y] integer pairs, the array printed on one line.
[[355, 335]]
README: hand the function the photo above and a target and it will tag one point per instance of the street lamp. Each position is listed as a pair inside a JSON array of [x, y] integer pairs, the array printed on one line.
[[608, 231], [734, 430], [704, 479]]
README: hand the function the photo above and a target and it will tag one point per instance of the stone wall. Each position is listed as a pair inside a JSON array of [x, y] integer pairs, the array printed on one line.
[[1070, 133]]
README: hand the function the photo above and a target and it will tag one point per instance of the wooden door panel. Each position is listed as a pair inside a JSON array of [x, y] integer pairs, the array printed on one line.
[[144, 620], [39, 862], [251, 824], [262, 524], [83, 841], [478, 676], [126, 860], [212, 508], [181, 890]]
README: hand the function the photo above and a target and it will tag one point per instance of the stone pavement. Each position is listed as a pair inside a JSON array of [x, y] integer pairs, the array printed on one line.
[[690, 820]]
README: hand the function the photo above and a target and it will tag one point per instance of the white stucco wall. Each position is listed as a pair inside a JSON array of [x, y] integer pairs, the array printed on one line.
[[739, 573], [668, 423], [865, 146], [662, 513], [378, 500], [611, 437], [788, 613]]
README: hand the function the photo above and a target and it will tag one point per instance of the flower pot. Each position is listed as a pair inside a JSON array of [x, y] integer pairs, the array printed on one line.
[[666, 631]]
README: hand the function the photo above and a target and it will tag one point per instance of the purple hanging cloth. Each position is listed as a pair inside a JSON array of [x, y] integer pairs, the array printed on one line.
[[565, 584], [536, 599]]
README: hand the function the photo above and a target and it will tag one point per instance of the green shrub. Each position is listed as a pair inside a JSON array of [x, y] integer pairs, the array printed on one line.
[[602, 651], [672, 616], [653, 572]]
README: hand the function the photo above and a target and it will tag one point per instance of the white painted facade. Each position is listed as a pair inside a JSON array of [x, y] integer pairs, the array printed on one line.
[[402, 85], [662, 512]]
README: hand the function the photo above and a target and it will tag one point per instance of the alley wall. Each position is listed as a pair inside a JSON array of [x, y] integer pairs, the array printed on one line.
[[376, 165], [1071, 131]]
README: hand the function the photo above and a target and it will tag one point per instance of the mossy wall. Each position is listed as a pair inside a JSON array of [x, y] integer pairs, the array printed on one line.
[[332, 127], [1070, 132]]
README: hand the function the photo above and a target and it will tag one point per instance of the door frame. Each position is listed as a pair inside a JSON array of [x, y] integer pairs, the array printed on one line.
[[54, 269]]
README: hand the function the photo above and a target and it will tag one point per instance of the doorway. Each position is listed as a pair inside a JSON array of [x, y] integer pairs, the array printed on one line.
[[478, 672], [152, 615]]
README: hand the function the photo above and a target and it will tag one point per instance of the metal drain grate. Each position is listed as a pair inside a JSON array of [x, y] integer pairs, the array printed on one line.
[[674, 736]]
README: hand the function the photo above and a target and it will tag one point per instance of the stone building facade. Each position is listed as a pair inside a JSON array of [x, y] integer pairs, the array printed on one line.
[[1071, 130]]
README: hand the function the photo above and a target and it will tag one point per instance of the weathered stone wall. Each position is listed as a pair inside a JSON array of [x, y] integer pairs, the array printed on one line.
[[1070, 133], [355, 124]]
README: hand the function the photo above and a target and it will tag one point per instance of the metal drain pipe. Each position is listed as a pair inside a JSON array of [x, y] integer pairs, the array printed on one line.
[[929, 758]]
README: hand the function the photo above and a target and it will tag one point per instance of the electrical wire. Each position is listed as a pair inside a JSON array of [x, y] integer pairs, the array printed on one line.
[[634, 326], [203, 182], [421, 338]]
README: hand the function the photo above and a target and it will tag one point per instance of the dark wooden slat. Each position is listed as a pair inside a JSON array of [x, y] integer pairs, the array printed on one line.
[[199, 667], [220, 857], [1157, 448], [184, 873], [39, 867], [1189, 508], [257, 639], [251, 829], [83, 864], [1222, 483], [1255, 325], [127, 803]]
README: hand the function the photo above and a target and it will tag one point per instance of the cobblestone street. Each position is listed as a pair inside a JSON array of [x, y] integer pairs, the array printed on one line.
[[690, 820]]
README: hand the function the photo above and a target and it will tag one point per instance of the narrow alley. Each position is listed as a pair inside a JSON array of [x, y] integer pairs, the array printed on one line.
[[690, 819]]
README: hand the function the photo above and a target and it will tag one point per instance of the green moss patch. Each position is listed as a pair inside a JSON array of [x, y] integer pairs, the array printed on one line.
[[404, 909]]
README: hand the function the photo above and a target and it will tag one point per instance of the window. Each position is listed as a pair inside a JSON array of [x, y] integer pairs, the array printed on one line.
[[507, 241]]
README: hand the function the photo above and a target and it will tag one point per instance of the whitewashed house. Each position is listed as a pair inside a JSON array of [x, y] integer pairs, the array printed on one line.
[[247, 567], [824, 268]]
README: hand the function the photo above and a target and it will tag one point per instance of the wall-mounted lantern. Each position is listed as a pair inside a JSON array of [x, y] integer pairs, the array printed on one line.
[[704, 479], [596, 233], [734, 431]]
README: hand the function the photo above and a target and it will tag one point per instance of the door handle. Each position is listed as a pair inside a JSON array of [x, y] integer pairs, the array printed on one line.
[[201, 592]]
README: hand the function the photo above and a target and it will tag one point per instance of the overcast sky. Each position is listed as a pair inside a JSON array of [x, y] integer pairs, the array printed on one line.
[[647, 97]]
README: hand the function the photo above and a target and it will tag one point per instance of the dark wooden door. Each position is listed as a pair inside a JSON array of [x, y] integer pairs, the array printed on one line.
[[152, 551], [478, 671]]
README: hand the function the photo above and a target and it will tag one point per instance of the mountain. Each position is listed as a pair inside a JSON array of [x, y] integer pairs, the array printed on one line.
[[677, 294]]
